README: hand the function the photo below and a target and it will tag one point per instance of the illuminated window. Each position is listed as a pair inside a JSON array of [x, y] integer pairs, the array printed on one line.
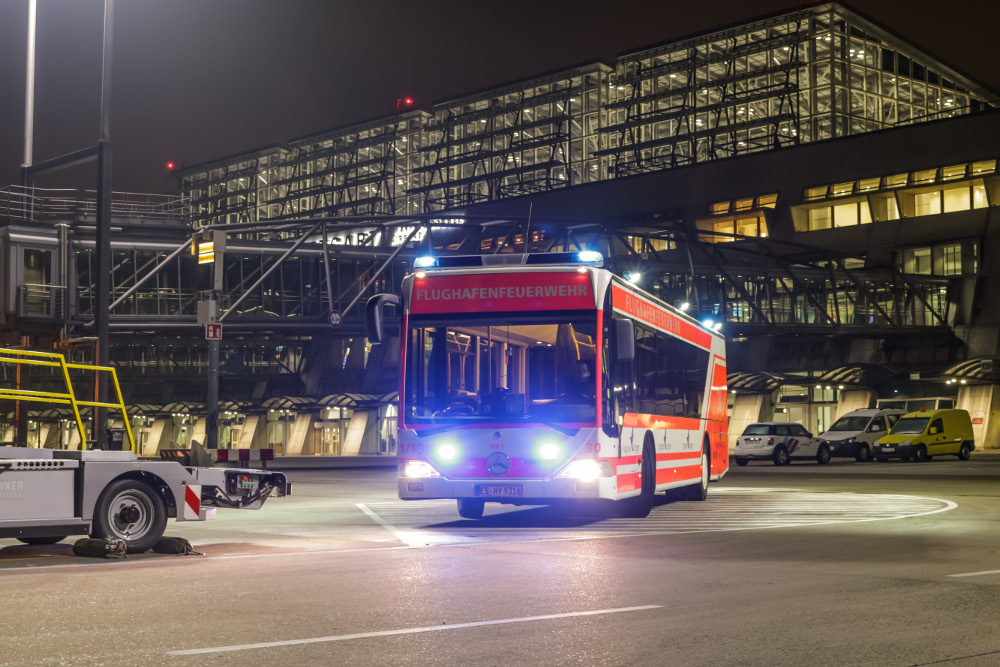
[[720, 208], [896, 180], [956, 199], [767, 201], [925, 176], [953, 172], [984, 167], [816, 193], [927, 203], [820, 218], [868, 184], [744, 204], [979, 196], [841, 189]]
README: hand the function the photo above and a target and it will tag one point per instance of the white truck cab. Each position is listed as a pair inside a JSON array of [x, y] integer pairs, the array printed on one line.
[[855, 433]]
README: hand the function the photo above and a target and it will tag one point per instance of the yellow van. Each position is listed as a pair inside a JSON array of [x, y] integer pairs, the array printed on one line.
[[922, 435]]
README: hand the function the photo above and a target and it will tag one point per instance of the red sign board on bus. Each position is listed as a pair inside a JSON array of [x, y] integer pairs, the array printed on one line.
[[498, 292], [645, 311]]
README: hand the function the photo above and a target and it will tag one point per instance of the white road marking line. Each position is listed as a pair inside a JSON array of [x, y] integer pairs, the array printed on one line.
[[407, 631], [409, 538], [975, 574]]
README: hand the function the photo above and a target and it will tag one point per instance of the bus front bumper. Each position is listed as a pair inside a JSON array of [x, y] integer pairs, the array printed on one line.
[[514, 491]]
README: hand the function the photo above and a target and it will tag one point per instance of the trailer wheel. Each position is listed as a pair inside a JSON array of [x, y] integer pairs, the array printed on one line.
[[52, 539], [131, 511]]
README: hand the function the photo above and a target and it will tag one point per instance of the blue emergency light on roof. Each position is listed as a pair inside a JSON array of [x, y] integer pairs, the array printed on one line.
[[425, 262], [590, 257]]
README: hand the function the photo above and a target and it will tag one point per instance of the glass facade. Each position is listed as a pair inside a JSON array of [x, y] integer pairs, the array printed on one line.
[[811, 75]]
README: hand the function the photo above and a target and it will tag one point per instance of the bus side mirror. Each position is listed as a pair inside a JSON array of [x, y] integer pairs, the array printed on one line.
[[375, 316], [624, 340]]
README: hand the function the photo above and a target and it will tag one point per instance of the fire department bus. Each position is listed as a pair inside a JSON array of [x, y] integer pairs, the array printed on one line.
[[529, 379]]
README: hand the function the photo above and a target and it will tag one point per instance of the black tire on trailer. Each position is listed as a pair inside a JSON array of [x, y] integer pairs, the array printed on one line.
[[130, 510], [699, 491], [471, 508], [53, 539]]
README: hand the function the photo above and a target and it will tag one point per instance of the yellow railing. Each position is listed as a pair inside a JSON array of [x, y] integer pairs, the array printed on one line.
[[68, 397]]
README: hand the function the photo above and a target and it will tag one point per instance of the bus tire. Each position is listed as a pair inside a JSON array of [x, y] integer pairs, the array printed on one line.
[[699, 491], [130, 511], [471, 508], [639, 506]]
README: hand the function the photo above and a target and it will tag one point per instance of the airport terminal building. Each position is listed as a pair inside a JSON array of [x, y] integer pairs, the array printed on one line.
[[822, 187]]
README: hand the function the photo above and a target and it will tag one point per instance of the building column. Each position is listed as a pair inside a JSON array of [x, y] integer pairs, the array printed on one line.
[[982, 401]]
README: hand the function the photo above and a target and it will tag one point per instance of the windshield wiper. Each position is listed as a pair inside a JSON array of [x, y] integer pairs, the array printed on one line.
[[561, 429]]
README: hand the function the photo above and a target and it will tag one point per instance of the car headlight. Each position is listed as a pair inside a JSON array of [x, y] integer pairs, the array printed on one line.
[[587, 470], [418, 469]]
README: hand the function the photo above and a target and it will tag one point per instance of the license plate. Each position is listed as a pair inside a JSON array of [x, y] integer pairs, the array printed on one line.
[[499, 490], [888, 449]]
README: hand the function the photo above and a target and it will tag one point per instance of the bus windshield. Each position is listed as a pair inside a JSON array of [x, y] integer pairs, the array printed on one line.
[[522, 368]]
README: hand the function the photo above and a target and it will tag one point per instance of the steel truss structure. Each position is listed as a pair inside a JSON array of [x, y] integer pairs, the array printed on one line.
[[324, 264]]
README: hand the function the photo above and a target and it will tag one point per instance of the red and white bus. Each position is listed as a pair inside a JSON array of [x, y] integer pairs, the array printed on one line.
[[527, 379]]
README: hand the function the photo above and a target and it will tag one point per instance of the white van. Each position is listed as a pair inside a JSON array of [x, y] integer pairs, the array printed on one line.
[[855, 433]]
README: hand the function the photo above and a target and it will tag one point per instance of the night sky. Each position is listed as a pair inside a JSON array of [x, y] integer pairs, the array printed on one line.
[[196, 80]]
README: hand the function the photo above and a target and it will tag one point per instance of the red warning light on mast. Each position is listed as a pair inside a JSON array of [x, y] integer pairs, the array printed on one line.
[[404, 102], [171, 165]]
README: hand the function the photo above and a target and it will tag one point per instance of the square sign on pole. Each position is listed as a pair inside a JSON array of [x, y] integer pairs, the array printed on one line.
[[213, 331]]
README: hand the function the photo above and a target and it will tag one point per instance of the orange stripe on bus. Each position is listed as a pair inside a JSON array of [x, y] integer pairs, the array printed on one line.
[[634, 420]]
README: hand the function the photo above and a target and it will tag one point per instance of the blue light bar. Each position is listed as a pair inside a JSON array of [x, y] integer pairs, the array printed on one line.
[[589, 256], [425, 262]]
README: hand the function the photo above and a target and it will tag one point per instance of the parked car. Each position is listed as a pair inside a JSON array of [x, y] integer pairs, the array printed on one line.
[[923, 435], [780, 442], [856, 433]]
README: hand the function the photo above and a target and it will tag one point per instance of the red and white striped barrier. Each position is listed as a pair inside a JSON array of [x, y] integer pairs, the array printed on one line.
[[241, 455]]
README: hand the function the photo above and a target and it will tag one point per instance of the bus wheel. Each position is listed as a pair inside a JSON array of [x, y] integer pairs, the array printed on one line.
[[471, 508], [699, 491], [639, 506]]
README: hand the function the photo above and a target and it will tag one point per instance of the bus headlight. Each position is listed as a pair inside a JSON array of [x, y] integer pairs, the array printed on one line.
[[446, 451], [587, 470], [549, 451], [419, 470]]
